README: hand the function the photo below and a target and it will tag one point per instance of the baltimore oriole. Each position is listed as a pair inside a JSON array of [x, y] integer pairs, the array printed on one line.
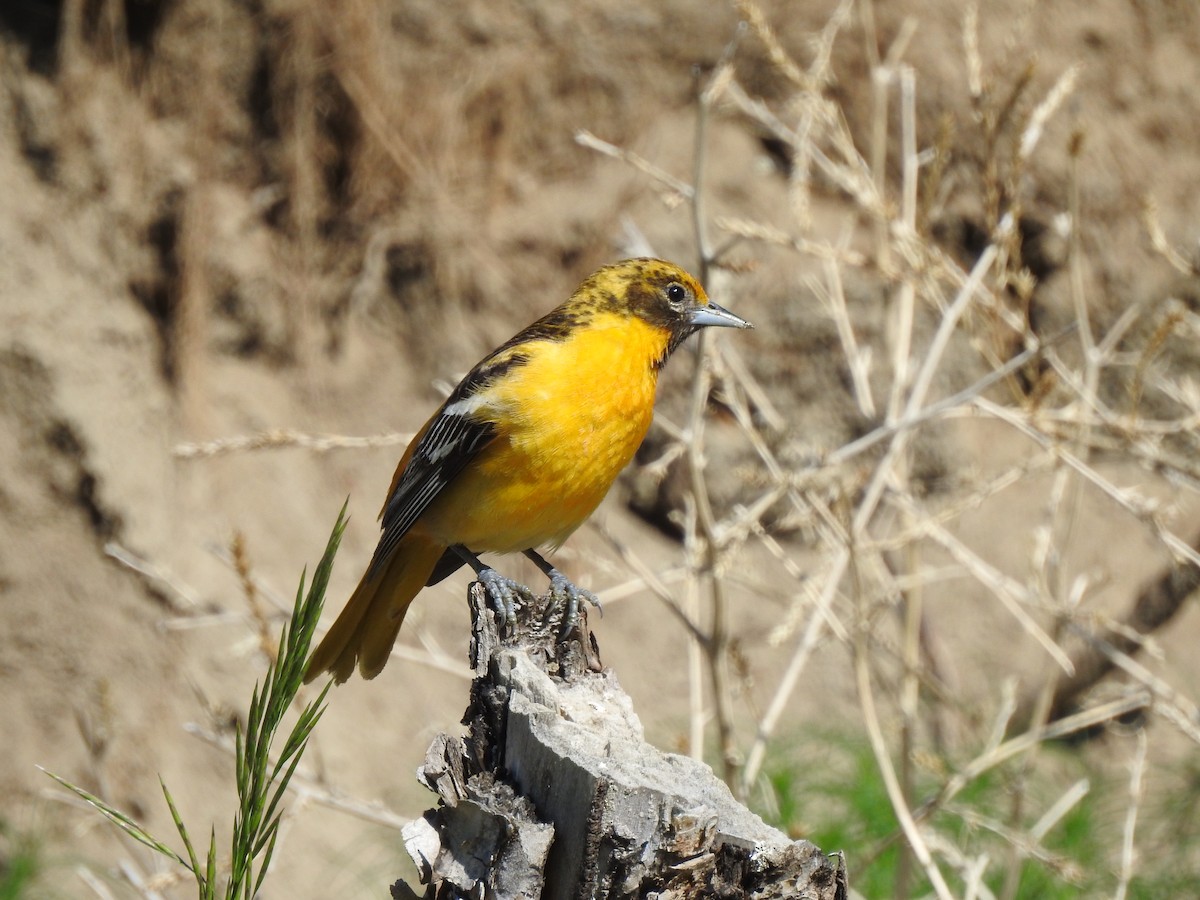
[[522, 451]]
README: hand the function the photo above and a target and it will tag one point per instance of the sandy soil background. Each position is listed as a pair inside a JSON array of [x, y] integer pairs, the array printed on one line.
[[220, 218]]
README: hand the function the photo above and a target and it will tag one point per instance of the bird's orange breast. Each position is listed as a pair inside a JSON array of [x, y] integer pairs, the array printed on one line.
[[574, 415]]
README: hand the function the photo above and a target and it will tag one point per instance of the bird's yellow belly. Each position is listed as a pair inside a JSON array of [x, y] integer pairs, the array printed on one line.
[[577, 416]]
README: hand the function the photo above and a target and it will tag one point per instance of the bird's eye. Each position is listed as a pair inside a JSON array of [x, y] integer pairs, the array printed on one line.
[[676, 293]]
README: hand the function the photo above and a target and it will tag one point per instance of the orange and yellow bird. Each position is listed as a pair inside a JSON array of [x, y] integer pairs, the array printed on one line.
[[522, 452]]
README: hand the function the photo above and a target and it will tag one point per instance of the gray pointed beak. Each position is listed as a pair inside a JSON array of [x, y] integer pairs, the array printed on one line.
[[711, 314]]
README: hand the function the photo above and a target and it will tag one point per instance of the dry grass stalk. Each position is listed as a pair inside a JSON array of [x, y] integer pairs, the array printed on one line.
[[278, 438]]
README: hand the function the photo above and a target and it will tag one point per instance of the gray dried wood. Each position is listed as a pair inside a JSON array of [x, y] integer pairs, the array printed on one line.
[[554, 792]]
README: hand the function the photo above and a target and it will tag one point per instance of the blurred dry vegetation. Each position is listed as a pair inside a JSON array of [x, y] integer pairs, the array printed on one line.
[[912, 562]]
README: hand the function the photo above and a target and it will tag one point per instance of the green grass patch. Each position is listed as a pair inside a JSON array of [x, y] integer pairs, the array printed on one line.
[[826, 788]]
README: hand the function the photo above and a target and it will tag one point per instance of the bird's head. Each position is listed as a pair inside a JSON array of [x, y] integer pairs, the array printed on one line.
[[660, 293]]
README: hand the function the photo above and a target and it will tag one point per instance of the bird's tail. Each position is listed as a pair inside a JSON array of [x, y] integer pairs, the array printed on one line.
[[367, 628]]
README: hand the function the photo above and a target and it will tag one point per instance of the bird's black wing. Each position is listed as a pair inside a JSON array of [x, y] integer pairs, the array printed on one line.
[[447, 447], [452, 439]]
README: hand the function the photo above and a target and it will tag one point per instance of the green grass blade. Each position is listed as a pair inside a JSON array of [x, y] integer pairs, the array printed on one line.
[[239, 757], [210, 869], [122, 821], [266, 861], [260, 785], [194, 863], [280, 790], [300, 732]]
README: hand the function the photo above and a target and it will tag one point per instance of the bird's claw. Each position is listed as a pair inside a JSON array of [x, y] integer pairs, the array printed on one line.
[[504, 593], [566, 591]]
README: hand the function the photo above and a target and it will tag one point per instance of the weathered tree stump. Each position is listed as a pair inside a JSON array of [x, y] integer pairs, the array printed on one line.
[[554, 792]]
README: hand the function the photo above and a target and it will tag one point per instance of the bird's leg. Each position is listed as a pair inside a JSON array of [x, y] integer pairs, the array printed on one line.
[[503, 591], [563, 588]]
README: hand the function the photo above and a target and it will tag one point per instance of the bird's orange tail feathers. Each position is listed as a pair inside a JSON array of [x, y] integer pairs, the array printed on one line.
[[367, 628]]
